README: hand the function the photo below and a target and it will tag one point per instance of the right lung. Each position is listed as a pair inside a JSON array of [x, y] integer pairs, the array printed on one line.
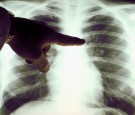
[[29, 84], [51, 21], [50, 16]]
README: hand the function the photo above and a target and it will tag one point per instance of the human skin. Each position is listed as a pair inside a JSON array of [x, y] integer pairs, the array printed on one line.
[[32, 39]]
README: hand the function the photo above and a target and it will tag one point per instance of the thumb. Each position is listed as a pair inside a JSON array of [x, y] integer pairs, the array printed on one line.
[[66, 40], [42, 64]]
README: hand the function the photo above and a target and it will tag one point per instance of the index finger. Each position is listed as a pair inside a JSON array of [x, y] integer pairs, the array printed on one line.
[[66, 40]]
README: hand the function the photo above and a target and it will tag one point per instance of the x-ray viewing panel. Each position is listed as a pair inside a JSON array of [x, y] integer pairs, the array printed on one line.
[[96, 78]]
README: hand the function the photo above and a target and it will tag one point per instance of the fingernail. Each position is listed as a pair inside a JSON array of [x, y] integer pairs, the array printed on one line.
[[81, 42], [45, 69]]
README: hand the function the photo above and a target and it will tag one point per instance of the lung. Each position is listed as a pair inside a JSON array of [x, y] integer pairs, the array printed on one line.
[[107, 44], [29, 84], [107, 49]]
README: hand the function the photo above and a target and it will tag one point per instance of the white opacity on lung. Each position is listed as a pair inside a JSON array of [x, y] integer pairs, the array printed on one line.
[[81, 80]]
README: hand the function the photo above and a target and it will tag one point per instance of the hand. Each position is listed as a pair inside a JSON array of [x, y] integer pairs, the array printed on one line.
[[32, 39]]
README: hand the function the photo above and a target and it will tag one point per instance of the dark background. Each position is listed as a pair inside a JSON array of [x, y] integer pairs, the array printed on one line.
[[119, 1]]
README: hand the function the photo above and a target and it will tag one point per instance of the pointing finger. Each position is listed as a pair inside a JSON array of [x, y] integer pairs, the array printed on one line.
[[66, 40]]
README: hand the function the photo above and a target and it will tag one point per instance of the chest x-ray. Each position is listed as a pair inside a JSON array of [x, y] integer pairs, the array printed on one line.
[[97, 78]]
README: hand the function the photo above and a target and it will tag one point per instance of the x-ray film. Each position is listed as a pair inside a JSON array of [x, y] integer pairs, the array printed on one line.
[[97, 78]]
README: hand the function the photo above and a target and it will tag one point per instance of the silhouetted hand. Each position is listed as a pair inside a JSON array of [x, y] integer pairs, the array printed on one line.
[[32, 39]]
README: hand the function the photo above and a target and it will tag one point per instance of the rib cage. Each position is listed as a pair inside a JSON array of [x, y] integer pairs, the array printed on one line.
[[106, 49], [29, 84]]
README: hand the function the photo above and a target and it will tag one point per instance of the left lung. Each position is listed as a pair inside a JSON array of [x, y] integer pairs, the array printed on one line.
[[106, 50]]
